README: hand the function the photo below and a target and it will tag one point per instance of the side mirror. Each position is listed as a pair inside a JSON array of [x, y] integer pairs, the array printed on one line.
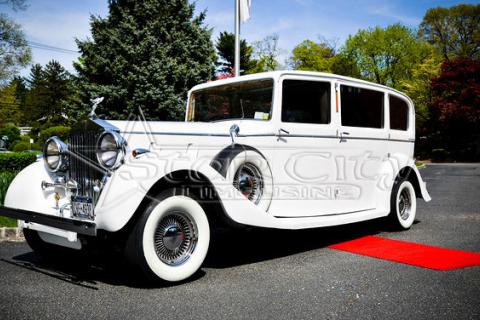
[[234, 130]]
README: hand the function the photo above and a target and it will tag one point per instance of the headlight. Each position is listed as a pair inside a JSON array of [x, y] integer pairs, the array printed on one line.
[[55, 154], [110, 150]]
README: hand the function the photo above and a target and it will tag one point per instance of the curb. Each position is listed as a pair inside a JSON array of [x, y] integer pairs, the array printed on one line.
[[11, 234]]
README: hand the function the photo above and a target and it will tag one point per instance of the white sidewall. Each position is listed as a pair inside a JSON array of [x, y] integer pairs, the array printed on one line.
[[190, 266], [262, 165], [406, 223]]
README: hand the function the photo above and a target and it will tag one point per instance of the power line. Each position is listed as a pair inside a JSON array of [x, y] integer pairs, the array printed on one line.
[[37, 45]]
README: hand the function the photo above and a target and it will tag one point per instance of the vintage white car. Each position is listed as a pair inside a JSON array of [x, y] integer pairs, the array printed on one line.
[[285, 149]]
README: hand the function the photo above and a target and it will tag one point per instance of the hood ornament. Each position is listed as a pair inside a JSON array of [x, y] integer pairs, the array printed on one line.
[[95, 102]]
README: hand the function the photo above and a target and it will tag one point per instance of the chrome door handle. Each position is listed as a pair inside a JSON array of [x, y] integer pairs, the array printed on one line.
[[342, 134], [279, 135]]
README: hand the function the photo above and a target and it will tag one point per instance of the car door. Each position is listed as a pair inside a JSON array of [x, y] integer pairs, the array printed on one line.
[[401, 122], [304, 168], [363, 145]]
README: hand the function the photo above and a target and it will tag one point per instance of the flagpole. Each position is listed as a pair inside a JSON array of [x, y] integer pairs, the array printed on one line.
[[237, 38]]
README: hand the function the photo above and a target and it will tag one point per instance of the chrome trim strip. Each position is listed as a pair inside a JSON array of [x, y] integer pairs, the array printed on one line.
[[266, 135], [324, 215]]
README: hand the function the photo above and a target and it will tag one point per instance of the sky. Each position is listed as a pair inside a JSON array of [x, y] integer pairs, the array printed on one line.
[[58, 22]]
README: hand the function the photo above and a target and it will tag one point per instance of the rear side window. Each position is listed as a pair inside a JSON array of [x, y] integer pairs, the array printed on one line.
[[306, 101], [361, 107], [398, 113]]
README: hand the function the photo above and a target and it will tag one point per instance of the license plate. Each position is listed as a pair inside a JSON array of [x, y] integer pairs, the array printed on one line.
[[82, 207]]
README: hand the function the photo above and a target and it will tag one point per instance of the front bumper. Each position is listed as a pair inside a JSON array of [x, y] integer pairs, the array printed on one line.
[[80, 227]]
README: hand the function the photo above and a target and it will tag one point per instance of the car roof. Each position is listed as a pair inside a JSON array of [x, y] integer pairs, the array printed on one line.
[[278, 74]]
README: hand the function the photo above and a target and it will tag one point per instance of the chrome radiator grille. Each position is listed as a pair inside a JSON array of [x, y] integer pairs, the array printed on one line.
[[84, 167]]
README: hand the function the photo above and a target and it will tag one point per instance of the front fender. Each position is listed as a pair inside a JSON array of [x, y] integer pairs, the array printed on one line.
[[25, 191], [127, 186]]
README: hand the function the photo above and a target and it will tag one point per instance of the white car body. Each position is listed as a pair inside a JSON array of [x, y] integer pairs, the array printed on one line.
[[322, 174]]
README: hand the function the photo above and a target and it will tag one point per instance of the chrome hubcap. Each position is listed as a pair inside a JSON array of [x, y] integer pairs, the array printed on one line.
[[404, 204], [175, 238], [249, 182]]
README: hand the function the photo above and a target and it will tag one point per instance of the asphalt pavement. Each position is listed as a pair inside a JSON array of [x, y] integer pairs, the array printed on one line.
[[268, 274]]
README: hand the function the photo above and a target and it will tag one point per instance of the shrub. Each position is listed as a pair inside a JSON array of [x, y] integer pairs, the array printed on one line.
[[21, 146], [60, 131], [12, 133], [439, 155], [5, 179], [16, 161]]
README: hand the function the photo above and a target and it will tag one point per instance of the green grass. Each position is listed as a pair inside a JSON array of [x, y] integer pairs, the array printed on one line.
[[420, 164], [7, 222], [5, 178]]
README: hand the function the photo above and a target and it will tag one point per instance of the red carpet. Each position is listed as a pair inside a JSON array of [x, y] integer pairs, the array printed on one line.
[[410, 253]]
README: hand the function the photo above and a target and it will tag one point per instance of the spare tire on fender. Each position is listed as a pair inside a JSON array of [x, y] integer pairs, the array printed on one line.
[[250, 174]]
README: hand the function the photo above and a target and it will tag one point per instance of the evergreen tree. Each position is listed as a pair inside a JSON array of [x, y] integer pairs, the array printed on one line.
[[50, 96], [145, 54], [226, 49]]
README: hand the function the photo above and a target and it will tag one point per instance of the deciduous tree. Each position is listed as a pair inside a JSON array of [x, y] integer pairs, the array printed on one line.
[[14, 50], [454, 31], [418, 87], [313, 56], [386, 55], [11, 104], [266, 52], [455, 108]]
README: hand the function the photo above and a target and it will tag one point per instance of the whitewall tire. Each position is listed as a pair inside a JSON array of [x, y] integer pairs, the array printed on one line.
[[403, 207], [250, 174], [171, 239]]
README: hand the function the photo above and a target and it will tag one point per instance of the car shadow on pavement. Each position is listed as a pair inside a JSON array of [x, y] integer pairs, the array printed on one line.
[[233, 248], [228, 248]]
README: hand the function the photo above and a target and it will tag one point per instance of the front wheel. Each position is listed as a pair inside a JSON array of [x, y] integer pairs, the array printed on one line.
[[171, 238], [403, 205]]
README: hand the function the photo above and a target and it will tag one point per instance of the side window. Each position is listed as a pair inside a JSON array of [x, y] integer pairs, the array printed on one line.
[[361, 107], [306, 101], [398, 113]]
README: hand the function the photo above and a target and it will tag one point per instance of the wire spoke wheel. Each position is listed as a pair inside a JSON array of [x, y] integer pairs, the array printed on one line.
[[175, 238], [405, 204]]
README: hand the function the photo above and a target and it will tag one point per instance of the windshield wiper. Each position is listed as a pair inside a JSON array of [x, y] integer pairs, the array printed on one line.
[[241, 106]]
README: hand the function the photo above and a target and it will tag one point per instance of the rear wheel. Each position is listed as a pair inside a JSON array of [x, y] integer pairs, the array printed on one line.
[[171, 238], [403, 205]]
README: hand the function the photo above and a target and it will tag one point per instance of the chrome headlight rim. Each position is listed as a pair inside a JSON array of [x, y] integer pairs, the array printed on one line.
[[120, 146], [62, 154]]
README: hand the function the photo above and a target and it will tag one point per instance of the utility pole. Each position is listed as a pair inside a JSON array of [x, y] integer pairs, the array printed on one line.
[[237, 38]]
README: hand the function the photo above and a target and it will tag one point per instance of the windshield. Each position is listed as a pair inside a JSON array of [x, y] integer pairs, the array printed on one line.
[[241, 100]]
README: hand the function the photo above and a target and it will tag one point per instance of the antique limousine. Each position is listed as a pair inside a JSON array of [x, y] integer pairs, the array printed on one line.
[[283, 149]]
